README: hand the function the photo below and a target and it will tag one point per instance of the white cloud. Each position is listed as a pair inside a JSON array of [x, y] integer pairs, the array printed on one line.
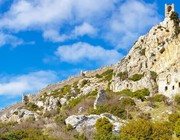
[[54, 35], [9, 39], [116, 21], [80, 30], [31, 82], [131, 20], [84, 29], [30, 14], [82, 52]]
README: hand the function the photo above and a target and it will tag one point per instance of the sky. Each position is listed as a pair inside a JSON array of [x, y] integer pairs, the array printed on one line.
[[45, 41]]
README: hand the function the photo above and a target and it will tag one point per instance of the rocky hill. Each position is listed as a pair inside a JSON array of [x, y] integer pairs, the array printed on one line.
[[144, 86]]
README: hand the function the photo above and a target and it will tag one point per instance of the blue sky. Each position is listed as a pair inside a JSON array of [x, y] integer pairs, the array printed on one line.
[[45, 41]]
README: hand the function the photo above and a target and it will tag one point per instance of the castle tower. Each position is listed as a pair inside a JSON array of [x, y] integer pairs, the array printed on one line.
[[25, 99], [169, 9]]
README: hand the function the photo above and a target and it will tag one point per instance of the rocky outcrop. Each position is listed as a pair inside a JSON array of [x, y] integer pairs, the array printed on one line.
[[157, 51], [100, 99], [19, 115], [83, 122]]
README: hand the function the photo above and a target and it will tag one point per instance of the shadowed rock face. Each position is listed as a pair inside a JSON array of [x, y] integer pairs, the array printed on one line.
[[100, 99]]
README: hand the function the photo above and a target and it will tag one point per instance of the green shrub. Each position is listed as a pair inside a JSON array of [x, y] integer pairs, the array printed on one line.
[[136, 77], [84, 82], [143, 51], [153, 75], [75, 101], [140, 130], [123, 75], [127, 92], [146, 130], [159, 98], [60, 119], [107, 72], [177, 99], [103, 129], [69, 127], [127, 102], [140, 94], [107, 75], [98, 76], [174, 117], [145, 116], [32, 106], [177, 128], [61, 92], [119, 109], [161, 131], [29, 134]]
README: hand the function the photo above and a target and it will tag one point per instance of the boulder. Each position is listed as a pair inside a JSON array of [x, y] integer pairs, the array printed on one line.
[[82, 122], [100, 99]]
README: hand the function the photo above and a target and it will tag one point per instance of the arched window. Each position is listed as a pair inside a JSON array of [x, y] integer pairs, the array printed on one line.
[[166, 88], [179, 84], [172, 87]]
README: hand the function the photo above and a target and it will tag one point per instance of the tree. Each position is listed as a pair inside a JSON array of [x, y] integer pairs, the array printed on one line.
[[140, 129], [103, 129]]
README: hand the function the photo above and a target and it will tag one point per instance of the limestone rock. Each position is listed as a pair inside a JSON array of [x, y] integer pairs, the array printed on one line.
[[100, 99], [82, 122]]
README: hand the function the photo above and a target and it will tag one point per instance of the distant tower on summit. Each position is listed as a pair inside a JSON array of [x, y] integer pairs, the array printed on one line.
[[169, 9], [25, 99]]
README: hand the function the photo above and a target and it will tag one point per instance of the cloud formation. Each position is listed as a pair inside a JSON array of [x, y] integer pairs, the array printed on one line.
[[82, 52], [27, 83], [119, 22], [9, 39]]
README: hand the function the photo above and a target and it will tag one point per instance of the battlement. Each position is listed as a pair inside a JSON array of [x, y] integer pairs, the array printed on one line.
[[169, 9]]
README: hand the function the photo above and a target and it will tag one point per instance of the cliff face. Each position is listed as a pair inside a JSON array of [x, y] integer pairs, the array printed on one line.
[[156, 52]]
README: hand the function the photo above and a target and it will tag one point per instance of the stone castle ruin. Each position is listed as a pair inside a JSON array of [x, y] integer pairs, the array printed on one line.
[[169, 9], [169, 83]]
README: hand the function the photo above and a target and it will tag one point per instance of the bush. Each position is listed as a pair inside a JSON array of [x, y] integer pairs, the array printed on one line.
[[177, 99], [60, 119], [140, 94], [32, 106], [162, 131], [84, 82], [123, 75], [119, 109], [153, 75], [143, 51], [136, 77], [174, 117], [127, 102], [127, 92], [140, 130], [69, 127], [107, 75], [29, 134], [103, 129], [159, 98], [145, 116], [146, 130], [61, 92], [98, 76], [177, 128], [74, 102]]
